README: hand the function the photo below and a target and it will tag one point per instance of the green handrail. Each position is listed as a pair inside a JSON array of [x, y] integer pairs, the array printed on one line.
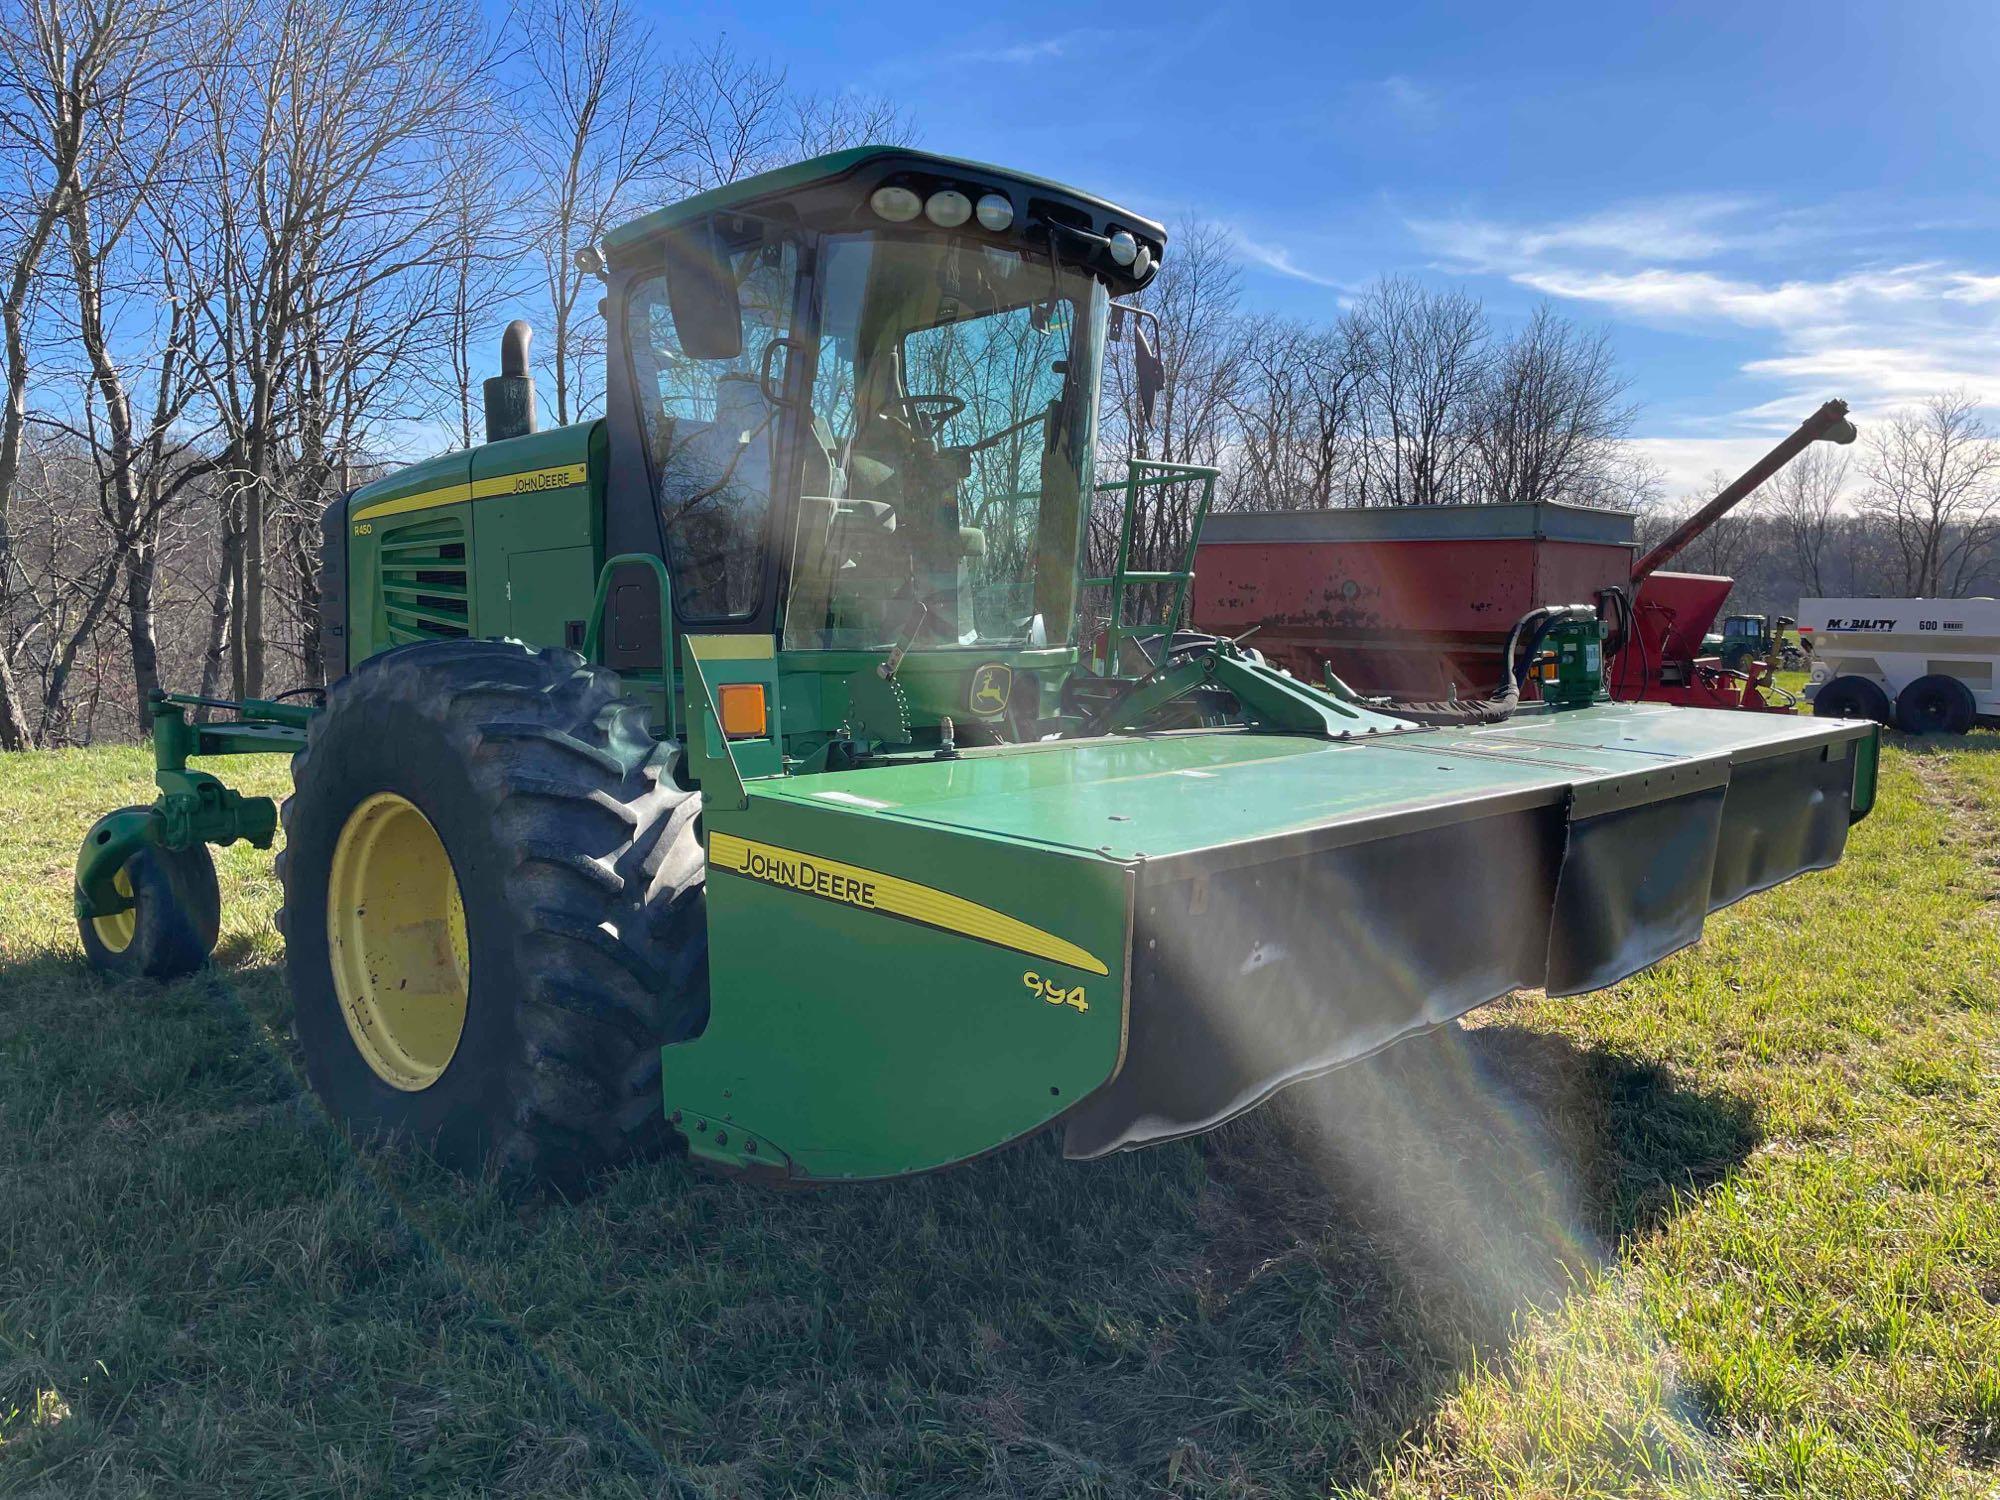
[[593, 635], [1141, 473]]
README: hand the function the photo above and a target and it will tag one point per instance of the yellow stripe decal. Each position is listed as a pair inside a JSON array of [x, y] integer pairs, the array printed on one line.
[[891, 895], [732, 647], [451, 494], [529, 482]]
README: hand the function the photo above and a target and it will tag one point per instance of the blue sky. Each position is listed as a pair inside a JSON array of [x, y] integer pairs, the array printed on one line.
[[1767, 203]]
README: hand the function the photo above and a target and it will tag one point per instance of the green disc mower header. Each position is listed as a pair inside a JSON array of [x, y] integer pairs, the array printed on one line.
[[756, 769]]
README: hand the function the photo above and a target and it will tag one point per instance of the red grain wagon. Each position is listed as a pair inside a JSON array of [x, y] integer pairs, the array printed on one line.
[[1417, 601]]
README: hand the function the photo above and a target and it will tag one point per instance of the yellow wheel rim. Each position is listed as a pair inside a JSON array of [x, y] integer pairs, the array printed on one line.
[[117, 930], [395, 930]]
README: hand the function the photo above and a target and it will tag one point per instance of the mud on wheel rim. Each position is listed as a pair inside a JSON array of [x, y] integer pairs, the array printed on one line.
[[395, 930]]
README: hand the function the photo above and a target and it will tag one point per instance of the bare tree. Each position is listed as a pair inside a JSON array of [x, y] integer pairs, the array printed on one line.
[[1804, 498], [1932, 480], [1298, 411], [326, 128], [1426, 367], [481, 267], [1201, 346], [57, 62], [735, 116], [820, 123], [119, 286], [598, 131], [1726, 548], [1551, 415], [98, 79]]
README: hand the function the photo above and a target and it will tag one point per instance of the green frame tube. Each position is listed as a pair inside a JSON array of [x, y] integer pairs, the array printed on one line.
[[193, 807], [1142, 474]]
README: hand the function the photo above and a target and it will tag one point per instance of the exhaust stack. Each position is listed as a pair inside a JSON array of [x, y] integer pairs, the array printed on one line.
[[510, 395]]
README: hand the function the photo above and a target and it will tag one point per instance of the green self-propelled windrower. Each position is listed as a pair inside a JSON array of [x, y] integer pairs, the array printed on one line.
[[754, 767]]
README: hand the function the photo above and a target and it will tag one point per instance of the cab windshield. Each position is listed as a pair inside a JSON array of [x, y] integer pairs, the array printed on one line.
[[953, 410]]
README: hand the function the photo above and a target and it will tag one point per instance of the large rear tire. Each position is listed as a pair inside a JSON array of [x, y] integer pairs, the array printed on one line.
[[1852, 697], [1936, 704], [493, 909]]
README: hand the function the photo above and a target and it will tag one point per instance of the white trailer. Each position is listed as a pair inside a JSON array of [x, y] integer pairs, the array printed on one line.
[[1920, 664]]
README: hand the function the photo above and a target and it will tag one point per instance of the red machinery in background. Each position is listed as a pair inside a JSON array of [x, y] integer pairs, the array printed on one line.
[[1673, 611], [1417, 601]]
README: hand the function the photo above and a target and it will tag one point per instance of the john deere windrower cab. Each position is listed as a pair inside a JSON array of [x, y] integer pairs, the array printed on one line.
[[755, 766]]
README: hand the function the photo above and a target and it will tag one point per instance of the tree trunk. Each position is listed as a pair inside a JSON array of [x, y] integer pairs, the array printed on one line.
[[55, 695], [142, 576], [562, 364], [311, 648], [14, 731], [250, 564], [215, 657], [136, 528], [234, 573]]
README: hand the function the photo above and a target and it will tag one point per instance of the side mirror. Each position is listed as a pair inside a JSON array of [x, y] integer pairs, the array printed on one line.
[[701, 293], [1148, 366]]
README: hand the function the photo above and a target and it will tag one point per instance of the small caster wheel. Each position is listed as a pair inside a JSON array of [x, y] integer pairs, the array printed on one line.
[[171, 926]]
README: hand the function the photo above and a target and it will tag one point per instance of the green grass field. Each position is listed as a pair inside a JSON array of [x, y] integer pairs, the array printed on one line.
[[1730, 1228]]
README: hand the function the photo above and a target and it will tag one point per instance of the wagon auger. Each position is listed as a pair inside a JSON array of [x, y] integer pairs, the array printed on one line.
[[747, 768]]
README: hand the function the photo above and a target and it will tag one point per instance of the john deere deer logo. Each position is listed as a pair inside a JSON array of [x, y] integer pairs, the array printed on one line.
[[991, 685]]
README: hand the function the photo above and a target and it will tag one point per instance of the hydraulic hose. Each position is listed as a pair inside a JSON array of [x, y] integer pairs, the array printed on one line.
[[1618, 604], [1551, 617], [1506, 696], [1456, 712]]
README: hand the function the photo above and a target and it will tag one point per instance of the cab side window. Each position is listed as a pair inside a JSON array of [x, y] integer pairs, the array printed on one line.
[[712, 436]]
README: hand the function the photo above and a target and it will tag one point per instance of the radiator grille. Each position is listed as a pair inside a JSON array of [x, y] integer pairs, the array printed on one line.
[[423, 581]]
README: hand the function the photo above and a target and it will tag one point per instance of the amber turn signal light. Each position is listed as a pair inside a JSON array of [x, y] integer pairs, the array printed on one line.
[[742, 707]]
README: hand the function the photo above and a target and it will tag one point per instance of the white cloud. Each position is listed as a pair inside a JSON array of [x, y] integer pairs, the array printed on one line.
[[1881, 333], [1018, 52], [1971, 288], [1666, 294], [1670, 229], [1687, 465], [1410, 100], [1038, 49], [1278, 258]]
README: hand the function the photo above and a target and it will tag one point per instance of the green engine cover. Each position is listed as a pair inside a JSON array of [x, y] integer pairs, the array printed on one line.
[[504, 540]]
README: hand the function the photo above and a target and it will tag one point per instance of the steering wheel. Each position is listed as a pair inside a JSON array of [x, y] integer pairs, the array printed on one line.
[[929, 411]]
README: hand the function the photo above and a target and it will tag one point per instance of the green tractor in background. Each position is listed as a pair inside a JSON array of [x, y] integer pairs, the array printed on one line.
[[1748, 638], [751, 769]]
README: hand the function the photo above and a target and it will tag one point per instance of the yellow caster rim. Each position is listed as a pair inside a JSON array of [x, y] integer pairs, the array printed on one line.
[[395, 929], [117, 930]]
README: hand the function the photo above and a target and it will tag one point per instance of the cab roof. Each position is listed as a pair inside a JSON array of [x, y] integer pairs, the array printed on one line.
[[838, 164]]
